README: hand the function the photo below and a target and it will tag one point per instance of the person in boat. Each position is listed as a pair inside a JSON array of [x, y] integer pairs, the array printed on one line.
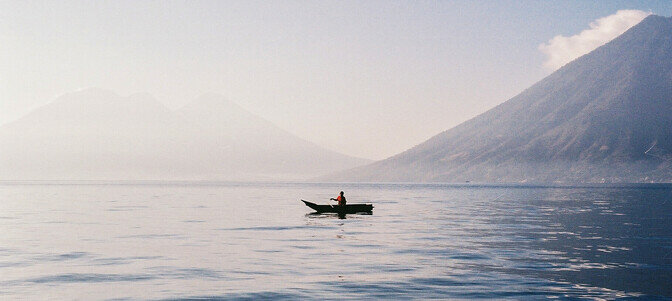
[[340, 199]]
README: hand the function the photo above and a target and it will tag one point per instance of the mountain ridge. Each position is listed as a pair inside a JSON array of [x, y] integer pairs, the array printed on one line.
[[98, 134]]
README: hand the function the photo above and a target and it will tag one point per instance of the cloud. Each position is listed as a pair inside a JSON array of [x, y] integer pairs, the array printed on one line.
[[561, 50]]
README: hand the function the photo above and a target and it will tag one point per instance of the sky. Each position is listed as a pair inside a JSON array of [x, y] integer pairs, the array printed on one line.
[[365, 78]]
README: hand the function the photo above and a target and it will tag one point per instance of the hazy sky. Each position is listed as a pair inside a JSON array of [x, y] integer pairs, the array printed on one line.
[[366, 78]]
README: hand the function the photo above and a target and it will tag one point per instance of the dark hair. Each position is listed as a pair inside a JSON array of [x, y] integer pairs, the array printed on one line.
[[341, 192]]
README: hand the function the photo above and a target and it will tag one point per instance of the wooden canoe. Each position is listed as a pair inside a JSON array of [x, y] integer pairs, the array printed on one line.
[[349, 208]]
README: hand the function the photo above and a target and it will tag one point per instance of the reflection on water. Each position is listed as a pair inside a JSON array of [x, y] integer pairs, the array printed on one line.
[[335, 215], [222, 240]]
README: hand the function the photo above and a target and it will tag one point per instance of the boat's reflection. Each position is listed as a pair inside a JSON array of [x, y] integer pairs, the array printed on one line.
[[334, 215]]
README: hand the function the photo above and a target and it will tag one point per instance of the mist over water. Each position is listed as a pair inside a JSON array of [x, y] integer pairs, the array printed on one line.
[[171, 240]]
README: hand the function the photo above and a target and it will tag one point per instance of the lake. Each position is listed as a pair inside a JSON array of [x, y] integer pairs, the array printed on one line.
[[208, 240]]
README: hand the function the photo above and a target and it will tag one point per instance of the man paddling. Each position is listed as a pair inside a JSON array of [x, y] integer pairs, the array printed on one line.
[[340, 199]]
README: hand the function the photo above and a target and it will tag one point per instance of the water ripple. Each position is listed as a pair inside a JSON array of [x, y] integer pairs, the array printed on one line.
[[178, 241]]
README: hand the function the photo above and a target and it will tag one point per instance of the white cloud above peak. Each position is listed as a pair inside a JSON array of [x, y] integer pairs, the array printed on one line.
[[561, 50]]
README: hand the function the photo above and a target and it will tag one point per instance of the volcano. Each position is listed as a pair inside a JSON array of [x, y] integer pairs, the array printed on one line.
[[604, 117]]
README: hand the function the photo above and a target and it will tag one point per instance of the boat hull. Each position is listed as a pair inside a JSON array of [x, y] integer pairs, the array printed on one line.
[[347, 209]]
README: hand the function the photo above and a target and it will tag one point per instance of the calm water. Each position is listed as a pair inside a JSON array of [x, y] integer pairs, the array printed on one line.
[[180, 240]]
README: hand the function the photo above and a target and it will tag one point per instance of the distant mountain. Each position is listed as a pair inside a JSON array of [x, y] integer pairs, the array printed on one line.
[[605, 117], [97, 134]]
